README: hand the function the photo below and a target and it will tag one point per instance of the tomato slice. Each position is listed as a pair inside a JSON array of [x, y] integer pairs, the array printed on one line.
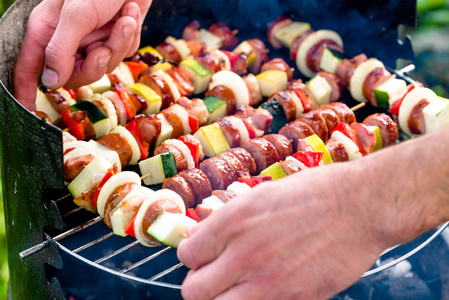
[[134, 128], [309, 158], [191, 213]]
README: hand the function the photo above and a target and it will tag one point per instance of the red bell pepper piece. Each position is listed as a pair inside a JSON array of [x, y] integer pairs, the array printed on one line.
[[346, 129], [127, 103], [191, 213], [106, 177], [304, 101], [251, 131], [73, 93], [129, 228], [75, 128], [193, 145], [136, 68], [232, 56], [194, 123], [249, 181], [134, 127], [309, 158], [67, 151], [395, 109]]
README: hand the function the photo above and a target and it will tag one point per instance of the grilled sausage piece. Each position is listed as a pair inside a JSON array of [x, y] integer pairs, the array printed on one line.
[[316, 122], [337, 150], [331, 118], [335, 83], [262, 151], [218, 172], [230, 131], [225, 34], [254, 89], [245, 158], [291, 166], [169, 52], [119, 144], [416, 122], [175, 121], [346, 68], [278, 64], [387, 127], [160, 87], [180, 160], [224, 195], [155, 209], [281, 143], [257, 117], [227, 95], [199, 182], [74, 166], [114, 199], [183, 188], [150, 126], [316, 52], [287, 104], [296, 130], [261, 55], [297, 43], [345, 114]]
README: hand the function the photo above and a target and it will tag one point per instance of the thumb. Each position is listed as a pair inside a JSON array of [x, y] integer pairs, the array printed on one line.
[[76, 21]]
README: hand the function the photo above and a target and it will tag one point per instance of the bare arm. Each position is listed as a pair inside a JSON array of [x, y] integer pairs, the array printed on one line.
[[74, 42], [314, 233]]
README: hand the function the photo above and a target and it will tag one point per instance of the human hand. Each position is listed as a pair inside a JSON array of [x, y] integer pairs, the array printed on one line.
[[306, 240], [76, 42]]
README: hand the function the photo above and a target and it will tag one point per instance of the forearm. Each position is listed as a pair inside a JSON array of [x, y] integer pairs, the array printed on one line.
[[406, 187]]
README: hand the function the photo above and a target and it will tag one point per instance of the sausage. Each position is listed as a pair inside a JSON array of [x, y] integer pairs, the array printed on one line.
[[254, 89], [74, 166], [346, 68], [183, 188], [278, 64], [296, 130], [345, 114], [230, 131], [316, 122], [297, 43], [191, 32], [169, 52], [387, 127], [274, 27], [119, 144], [155, 209], [316, 52], [180, 160], [224, 195], [160, 87], [182, 80], [85, 200], [114, 199], [366, 138], [335, 83], [199, 182], [257, 117], [150, 126], [175, 121], [375, 78], [337, 150], [196, 108], [208, 60], [261, 55], [219, 173], [291, 166], [287, 104], [227, 95], [262, 151], [245, 158], [240, 64], [57, 100], [225, 34], [281, 143], [416, 122], [331, 118]]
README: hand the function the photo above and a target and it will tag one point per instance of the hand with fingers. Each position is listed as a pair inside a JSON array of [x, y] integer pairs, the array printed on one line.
[[314, 233], [75, 42]]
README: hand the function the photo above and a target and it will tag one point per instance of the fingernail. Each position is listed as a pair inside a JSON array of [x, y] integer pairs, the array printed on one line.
[[128, 30], [104, 61], [132, 12], [50, 77]]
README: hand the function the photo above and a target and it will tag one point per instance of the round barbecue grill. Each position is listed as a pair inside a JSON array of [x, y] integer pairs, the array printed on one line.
[[57, 250]]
